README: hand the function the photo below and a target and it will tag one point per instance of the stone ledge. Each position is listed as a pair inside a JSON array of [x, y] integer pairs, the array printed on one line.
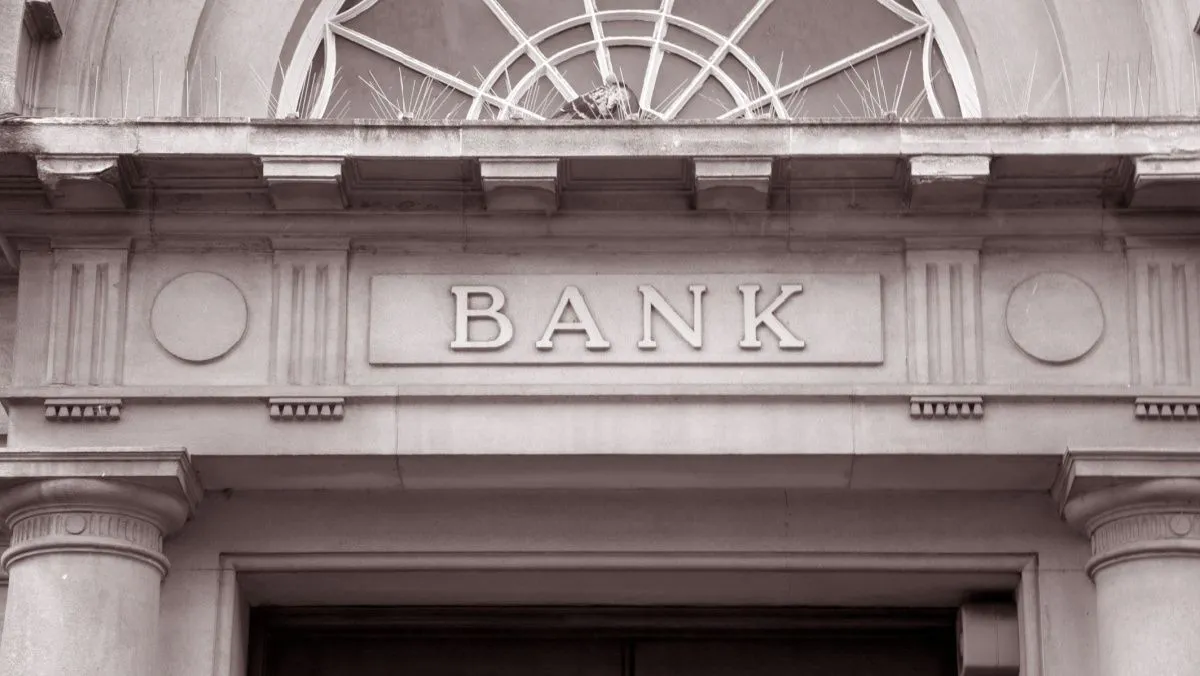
[[259, 165]]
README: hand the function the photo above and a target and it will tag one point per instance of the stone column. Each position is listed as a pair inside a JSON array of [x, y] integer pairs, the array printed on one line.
[[1146, 567], [86, 561]]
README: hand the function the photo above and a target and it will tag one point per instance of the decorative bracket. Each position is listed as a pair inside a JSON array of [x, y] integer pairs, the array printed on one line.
[[295, 409], [946, 408], [83, 410], [733, 183], [305, 183], [520, 184], [948, 182], [83, 182], [1165, 182], [1167, 408]]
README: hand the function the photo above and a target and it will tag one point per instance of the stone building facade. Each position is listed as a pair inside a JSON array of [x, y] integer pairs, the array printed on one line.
[[611, 336]]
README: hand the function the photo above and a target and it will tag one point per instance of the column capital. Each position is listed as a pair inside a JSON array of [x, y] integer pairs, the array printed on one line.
[[1132, 504], [117, 501]]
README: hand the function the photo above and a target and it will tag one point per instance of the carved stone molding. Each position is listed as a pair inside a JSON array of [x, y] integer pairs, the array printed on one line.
[[111, 517], [83, 410], [1144, 527], [946, 408], [1167, 408], [295, 409], [86, 340], [1166, 317], [945, 339], [308, 322], [732, 183], [517, 184], [1132, 504]]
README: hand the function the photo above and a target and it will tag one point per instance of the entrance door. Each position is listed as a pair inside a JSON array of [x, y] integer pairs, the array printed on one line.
[[601, 642]]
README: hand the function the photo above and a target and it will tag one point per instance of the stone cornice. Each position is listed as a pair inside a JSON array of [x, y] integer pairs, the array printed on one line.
[[297, 166], [1150, 137]]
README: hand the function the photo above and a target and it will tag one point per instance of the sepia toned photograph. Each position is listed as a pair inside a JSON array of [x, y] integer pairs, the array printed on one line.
[[599, 337]]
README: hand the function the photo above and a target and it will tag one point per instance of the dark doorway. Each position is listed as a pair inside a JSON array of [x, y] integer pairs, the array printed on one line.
[[601, 642]]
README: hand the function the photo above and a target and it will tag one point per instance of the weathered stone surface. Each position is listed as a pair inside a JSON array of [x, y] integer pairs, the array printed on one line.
[[1166, 181], [84, 182], [732, 184], [950, 183], [304, 183]]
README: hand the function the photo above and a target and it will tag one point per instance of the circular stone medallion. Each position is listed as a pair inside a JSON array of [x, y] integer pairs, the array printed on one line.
[[198, 316], [1054, 317]]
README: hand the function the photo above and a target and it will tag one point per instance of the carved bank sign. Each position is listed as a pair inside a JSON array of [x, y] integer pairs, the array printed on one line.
[[631, 319]]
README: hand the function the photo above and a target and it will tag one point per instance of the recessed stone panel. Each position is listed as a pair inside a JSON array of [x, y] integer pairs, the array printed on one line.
[[505, 319]]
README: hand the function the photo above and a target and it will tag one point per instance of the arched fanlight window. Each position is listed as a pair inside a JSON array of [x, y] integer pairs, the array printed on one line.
[[682, 59]]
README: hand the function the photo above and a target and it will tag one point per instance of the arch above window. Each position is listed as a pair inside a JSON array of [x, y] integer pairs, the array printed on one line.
[[700, 59]]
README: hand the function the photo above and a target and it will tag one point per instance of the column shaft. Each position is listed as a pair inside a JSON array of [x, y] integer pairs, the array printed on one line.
[[77, 613], [1148, 617]]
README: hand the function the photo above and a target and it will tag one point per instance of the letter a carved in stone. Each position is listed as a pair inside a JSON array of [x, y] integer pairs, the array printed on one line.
[[584, 322]]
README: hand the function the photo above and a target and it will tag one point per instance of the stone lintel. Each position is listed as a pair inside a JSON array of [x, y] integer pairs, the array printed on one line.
[[948, 182], [83, 182], [305, 183], [520, 184], [165, 469], [43, 20], [1165, 182], [732, 183]]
